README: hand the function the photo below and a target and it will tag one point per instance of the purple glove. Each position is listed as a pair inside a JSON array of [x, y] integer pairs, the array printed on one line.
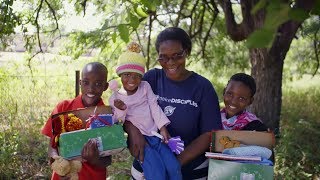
[[175, 143]]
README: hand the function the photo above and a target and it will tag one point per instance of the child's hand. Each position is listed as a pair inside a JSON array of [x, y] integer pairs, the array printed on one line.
[[90, 152], [120, 104], [164, 132]]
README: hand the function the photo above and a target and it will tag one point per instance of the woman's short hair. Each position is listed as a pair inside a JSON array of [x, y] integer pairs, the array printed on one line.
[[177, 34]]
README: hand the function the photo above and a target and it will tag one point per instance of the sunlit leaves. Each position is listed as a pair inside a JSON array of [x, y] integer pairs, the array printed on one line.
[[8, 19], [134, 20], [124, 32], [261, 38], [277, 14], [311, 26], [151, 4], [141, 12]]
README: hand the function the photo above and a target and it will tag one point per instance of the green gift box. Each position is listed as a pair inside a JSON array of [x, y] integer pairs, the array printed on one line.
[[225, 170], [110, 140]]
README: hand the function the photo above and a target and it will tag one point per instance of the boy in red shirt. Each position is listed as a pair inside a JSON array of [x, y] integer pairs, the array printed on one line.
[[93, 83]]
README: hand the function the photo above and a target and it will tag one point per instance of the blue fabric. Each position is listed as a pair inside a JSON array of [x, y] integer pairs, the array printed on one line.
[[262, 162], [249, 150], [192, 107], [159, 162]]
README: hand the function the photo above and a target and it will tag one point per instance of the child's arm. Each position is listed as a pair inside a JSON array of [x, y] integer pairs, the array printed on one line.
[[119, 108], [52, 152], [164, 132], [90, 154]]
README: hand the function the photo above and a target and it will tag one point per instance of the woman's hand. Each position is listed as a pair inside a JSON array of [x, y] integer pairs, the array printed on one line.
[[136, 141], [197, 147]]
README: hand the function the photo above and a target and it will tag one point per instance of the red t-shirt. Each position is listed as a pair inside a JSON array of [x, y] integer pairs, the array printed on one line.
[[87, 171]]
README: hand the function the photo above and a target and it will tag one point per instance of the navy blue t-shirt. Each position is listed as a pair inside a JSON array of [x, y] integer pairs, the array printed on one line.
[[191, 105]]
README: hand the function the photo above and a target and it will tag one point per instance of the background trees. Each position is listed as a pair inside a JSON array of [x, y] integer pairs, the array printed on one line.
[[268, 26], [29, 91]]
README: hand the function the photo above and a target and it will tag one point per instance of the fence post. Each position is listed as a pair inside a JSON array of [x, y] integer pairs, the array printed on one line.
[[77, 82]]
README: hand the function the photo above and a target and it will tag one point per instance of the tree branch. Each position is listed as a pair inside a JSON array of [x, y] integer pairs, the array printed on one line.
[[238, 32], [167, 7], [149, 41], [53, 14], [84, 5], [37, 24], [192, 12], [214, 17], [287, 31], [316, 51], [183, 3]]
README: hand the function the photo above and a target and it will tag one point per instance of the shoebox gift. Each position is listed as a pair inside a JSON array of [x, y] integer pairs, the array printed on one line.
[[72, 129], [241, 155], [110, 140]]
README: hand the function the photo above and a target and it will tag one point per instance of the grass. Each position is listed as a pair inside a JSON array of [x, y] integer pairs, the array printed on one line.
[[297, 151], [27, 100]]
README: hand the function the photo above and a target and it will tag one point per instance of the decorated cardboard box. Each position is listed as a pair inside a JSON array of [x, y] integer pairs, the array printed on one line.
[[110, 140], [223, 167], [110, 137]]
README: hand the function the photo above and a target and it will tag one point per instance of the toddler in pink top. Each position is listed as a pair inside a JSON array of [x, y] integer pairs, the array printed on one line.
[[136, 102]]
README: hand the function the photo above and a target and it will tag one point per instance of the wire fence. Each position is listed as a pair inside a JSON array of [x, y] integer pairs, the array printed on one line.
[[33, 97], [30, 90]]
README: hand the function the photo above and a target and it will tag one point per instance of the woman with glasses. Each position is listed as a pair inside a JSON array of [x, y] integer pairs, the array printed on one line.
[[188, 100]]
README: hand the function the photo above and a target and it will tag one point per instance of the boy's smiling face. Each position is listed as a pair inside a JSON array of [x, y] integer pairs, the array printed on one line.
[[93, 83], [237, 96]]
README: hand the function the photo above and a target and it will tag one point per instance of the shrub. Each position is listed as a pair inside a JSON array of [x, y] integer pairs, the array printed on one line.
[[297, 152]]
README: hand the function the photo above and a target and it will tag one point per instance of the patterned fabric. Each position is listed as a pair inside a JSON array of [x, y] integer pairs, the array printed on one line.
[[237, 122]]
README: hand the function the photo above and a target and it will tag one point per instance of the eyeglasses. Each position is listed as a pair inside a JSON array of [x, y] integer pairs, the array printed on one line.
[[175, 57]]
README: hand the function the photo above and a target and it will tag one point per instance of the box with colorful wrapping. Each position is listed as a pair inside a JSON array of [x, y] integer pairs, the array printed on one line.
[[241, 155], [72, 129], [110, 140], [101, 120]]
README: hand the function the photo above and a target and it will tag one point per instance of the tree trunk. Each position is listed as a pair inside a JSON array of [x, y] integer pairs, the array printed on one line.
[[267, 71], [267, 64]]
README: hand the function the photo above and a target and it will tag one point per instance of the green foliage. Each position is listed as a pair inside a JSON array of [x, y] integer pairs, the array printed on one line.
[[301, 58], [9, 20], [278, 12], [261, 38], [316, 8], [297, 150], [123, 32]]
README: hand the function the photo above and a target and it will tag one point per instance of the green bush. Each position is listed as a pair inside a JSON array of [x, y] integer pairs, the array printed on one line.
[[297, 151]]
